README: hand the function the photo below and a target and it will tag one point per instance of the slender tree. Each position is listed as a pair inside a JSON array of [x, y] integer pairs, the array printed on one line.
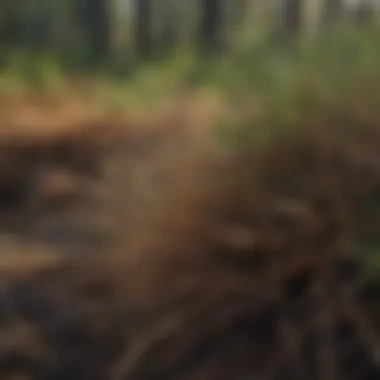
[[37, 19], [143, 32], [171, 29], [237, 12], [292, 18], [332, 10], [10, 24], [211, 24], [96, 26], [364, 11]]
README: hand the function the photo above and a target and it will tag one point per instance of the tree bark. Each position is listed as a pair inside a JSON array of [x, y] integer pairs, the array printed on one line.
[[10, 25], [292, 18], [97, 28], [171, 31], [143, 33], [364, 11], [332, 11], [211, 23]]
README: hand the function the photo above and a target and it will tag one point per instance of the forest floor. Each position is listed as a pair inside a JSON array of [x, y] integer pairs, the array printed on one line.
[[237, 182], [66, 159], [180, 205]]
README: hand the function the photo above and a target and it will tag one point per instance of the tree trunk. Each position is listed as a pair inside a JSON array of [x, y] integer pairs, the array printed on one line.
[[235, 21], [210, 28], [364, 11], [37, 25], [10, 24], [292, 18], [171, 31], [143, 33], [97, 28], [332, 11]]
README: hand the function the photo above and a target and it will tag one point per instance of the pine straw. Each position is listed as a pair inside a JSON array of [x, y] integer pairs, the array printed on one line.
[[228, 252], [249, 266]]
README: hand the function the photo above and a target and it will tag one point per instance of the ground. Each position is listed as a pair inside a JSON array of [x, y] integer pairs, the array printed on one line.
[[135, 247]]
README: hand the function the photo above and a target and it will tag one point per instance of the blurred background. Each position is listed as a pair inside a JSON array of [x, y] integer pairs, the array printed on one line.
[[88, 33], [103, 29]]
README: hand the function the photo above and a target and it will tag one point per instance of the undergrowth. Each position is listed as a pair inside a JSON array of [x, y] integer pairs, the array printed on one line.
[[327, 89]]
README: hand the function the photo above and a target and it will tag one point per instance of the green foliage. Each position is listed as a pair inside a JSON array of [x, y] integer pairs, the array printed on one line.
[[292, 81], [26, 71]]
